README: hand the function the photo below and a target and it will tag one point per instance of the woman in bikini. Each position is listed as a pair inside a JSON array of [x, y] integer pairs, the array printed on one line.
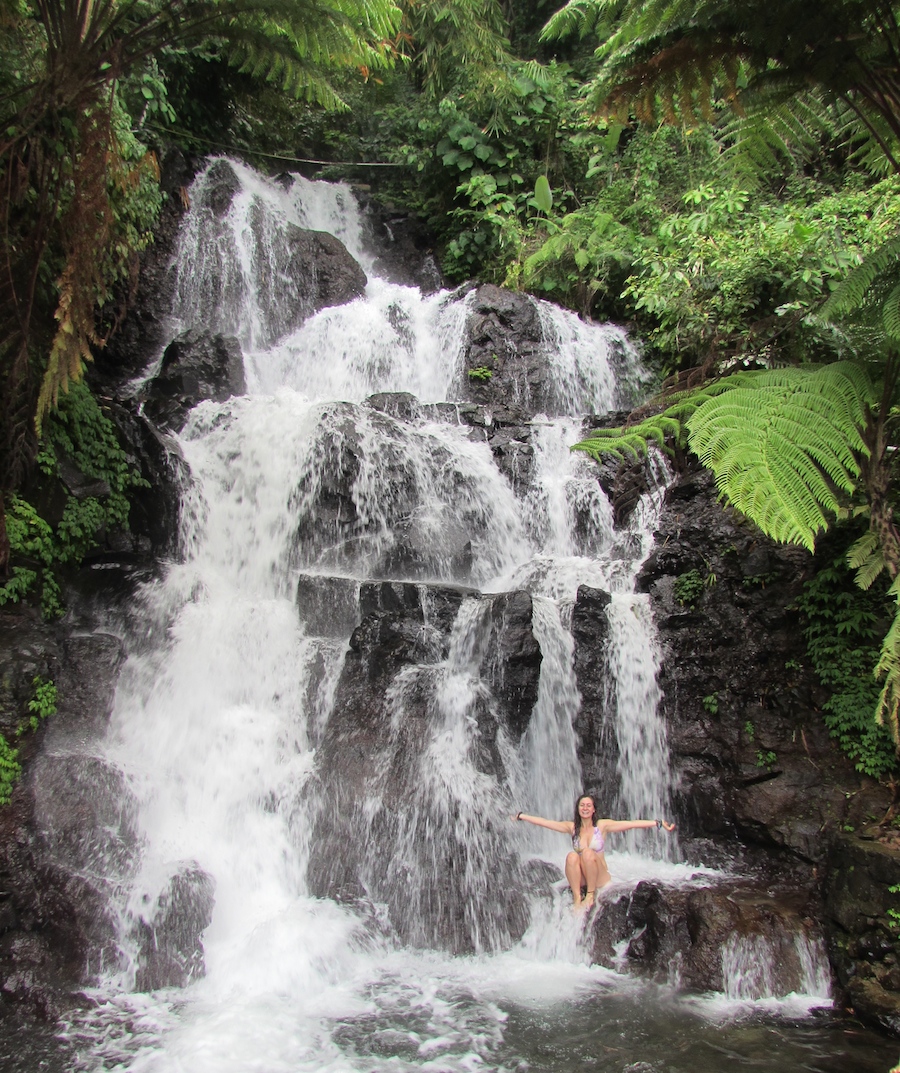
[[586, 864]]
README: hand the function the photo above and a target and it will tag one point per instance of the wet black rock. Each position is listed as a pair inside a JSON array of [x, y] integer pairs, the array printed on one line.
[[68, 832], [197, 365], [861, 877], [403, 245], [169, 932], [596, 734], [748, 742], [220, 189], [725, 934], [379, 747], [504, 359]]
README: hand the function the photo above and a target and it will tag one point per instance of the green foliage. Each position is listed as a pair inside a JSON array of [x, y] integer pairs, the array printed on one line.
[[543, 195], [478, 190], [676, 60], [709, 267], [688, 588], [784, 443], [42, 704], [81, 433], [711, 703], [481, 372], [766, 758], [750, 730], [455, 42], [844, 626], [10, 770]]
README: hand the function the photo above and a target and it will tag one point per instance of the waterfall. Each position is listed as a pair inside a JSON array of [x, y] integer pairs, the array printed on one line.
[[764, 966], [343, 838]]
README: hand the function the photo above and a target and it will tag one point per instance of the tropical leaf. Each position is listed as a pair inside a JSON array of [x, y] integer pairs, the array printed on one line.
[[855, 290], [543, 195], [866, 558], [785, 445]]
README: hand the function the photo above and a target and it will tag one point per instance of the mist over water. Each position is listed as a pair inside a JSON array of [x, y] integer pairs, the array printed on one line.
[[221, 710]]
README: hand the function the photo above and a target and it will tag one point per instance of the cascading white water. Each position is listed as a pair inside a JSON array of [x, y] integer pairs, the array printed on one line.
[[218, 718], [757, 967]]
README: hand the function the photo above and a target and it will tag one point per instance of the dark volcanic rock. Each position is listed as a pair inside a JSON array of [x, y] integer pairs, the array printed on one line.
[[169, 932], [197, 365], [733, 935], [590, 629], [318, 272], [395, 699], [860, 881], [68, 831], [504, 337], [747, 739], [403, 245]]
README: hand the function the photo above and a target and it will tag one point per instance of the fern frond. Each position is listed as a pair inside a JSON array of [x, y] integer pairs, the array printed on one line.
[[854, 290], [866, 558], [784, 443], [582, 18], [632, 443]]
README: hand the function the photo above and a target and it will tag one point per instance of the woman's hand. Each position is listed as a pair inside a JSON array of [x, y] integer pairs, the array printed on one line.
[[668, 826]]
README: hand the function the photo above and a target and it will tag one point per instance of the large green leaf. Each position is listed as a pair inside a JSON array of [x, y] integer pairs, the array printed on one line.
[[543, 195], [786, 445]]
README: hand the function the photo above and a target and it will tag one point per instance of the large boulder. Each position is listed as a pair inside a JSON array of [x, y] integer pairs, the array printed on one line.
[[67, 837], [731, 935], [169, 930], [427, 663], [196, 365]]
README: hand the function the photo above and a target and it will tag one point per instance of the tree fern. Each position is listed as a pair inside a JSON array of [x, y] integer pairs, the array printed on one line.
[[674, 58], [785, 445]]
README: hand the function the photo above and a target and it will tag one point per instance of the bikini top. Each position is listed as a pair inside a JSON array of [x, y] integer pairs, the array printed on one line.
[[596, 843]]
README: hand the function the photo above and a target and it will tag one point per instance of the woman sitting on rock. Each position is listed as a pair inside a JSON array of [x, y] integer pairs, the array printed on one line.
[[586, 864]]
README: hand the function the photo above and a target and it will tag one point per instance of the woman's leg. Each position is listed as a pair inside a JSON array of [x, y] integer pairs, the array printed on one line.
[[590, 862], [596, 874], [575, 876]]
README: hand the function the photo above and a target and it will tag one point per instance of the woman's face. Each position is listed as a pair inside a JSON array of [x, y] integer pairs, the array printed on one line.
[[586, 808]]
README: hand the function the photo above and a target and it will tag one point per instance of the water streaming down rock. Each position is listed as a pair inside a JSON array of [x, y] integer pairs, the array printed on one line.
[[364, 660]]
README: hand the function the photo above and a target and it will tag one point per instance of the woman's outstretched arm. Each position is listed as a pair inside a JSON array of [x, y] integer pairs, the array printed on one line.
[[565, 827], [628, 825]]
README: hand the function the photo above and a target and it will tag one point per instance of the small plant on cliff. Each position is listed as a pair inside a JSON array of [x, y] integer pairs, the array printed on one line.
[[10, 769], [481, 372], [42, 704], [688, 588], [844, 627], [711, 703], [79, 432]]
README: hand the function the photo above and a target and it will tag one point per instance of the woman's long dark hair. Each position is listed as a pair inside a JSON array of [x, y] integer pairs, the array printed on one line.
[[581, 797]]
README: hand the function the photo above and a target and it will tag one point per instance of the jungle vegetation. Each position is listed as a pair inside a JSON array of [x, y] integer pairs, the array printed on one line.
[[721, 175]]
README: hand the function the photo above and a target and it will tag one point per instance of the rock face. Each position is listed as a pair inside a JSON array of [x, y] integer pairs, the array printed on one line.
[[386, 706], [733, 936], [196, 365], [860, 883], [403, 246], [750, 748]]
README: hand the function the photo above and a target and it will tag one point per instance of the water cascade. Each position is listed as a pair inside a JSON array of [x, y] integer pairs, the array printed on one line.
[[360, 665]]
